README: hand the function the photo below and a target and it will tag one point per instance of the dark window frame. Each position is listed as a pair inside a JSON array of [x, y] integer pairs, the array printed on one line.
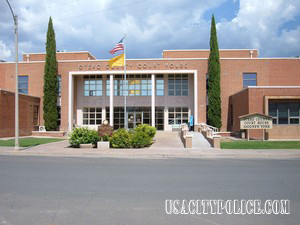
[[247, 79], [23, 90], [274, 111]]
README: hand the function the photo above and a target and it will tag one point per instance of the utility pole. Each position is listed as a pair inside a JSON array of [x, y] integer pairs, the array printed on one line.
[[15, 17]]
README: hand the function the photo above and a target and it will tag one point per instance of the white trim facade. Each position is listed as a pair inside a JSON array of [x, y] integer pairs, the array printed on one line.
[[152, 72]]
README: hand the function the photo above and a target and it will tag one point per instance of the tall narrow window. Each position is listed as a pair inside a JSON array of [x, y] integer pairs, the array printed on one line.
[[249, 79], [159, 87], [35, 115], [92, 85], [59, 85], [59, 115], [23, 84]]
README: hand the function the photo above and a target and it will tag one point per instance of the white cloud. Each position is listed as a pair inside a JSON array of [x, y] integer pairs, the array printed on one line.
[[258, 25], [151, 26], [5, 51]]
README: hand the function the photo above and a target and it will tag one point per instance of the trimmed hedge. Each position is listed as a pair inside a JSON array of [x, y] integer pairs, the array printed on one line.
[[120, 139], [151, 131], [140, 137], [83, 135]]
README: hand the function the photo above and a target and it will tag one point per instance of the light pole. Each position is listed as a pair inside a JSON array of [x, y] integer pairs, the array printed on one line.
[[17, 82]]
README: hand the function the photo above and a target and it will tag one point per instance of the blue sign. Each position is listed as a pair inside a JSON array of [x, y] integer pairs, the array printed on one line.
[[191, 120]]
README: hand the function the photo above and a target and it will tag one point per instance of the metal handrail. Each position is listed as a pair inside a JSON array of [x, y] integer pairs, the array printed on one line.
[[209, 127], [173, 122]]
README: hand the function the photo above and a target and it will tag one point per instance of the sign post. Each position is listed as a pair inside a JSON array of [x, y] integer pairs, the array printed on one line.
[[256, 121]]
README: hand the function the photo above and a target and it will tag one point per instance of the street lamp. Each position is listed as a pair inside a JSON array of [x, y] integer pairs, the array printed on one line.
[[17, 86]]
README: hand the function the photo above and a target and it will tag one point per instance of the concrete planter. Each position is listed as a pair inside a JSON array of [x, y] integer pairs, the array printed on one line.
[[86, 146], [104, 145]]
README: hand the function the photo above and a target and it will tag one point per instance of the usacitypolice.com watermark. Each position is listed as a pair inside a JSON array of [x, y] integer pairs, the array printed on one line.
[[241, 207]]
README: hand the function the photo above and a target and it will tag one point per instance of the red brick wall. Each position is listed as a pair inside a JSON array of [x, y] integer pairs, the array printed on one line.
[[205, 53], [272, 72], [252, 100], [240, 107], [59, 56], [7, 113]]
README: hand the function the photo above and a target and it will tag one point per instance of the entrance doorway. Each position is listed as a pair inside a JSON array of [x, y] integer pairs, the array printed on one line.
[[134, 119], [136, 116]]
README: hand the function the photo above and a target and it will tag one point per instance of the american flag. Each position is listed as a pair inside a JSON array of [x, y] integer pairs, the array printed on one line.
[[118, 47]]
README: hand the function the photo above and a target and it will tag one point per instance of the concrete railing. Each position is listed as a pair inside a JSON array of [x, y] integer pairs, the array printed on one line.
[[211, 135], [185, 136]]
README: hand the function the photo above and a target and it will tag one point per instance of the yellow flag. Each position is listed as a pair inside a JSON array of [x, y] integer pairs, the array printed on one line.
[[117, 61]]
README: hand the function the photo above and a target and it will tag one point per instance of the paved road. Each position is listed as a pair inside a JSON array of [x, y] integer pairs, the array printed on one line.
[[46, 190]]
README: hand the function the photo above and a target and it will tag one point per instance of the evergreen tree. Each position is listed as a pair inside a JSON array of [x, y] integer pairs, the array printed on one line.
[[50, 81], [214, 91]]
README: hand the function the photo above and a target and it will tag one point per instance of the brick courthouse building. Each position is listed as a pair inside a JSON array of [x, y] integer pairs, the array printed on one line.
[[163, 92]]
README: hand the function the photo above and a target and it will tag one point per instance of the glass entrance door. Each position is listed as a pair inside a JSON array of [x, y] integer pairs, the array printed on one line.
[[138, 119], [134, 119], [131, 120]]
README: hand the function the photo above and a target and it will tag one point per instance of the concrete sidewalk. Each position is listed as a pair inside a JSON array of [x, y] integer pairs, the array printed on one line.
[[62, 149]]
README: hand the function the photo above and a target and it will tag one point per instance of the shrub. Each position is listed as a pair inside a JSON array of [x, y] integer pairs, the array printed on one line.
[[83, 136], [139, 139], [105, 131], [120, 139], [151, 131]]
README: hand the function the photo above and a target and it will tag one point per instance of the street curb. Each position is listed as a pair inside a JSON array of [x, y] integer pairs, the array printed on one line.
[[154, 155]]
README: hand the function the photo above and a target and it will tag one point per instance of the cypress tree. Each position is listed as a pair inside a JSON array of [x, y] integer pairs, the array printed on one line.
[[50, 81], [214, 91]]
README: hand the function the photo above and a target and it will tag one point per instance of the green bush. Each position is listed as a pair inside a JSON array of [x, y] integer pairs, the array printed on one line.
[[139, 139], [151, 131], [120, 139], [83, 136]]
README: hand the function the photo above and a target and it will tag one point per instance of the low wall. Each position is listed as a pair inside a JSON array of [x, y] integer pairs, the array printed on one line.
[[49, 133], [284, 132], [213, 139], [185, 137]]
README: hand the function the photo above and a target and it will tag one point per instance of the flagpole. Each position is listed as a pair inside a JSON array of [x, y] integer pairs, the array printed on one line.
[[125, 86]]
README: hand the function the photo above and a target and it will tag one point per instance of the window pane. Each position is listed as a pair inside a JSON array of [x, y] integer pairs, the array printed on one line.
[[294, 121], [294, 109], [283, 113], [249, 79], [185, 93], [160, 92], [272, 109], [250, 76], [249, 83]]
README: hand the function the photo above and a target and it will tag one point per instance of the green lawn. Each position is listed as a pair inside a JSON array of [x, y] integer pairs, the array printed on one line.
[[261, 145], [26, 142]]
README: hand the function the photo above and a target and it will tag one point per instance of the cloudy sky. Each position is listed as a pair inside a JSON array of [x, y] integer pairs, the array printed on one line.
[[271, 26]]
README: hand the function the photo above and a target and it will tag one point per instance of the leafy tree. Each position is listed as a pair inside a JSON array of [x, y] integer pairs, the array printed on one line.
[[214, 91], [50, 81]]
